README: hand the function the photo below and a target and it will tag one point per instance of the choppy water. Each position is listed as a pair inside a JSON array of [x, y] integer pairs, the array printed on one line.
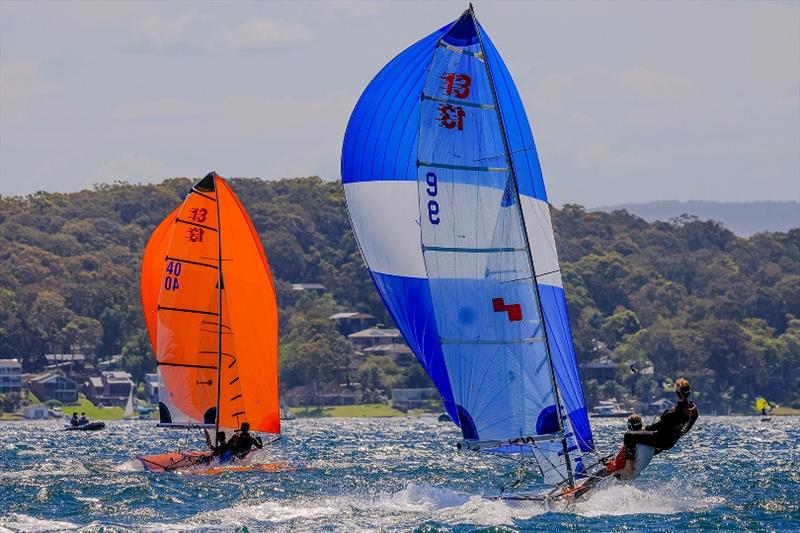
[[388, 474]]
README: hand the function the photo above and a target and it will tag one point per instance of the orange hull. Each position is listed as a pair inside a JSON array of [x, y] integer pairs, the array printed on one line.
[[168, 462]]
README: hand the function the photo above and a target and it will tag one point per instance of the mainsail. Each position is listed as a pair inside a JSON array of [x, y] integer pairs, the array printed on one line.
[[448, 205], [210, 308]]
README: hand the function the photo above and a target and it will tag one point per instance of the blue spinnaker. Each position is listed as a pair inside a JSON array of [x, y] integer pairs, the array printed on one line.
[[448, 205]]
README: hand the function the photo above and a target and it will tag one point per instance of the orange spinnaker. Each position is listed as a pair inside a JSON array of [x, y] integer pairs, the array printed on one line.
[[208, 365]]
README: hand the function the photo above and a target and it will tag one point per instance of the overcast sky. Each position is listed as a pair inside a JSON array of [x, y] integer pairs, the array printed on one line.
[[629, 101]]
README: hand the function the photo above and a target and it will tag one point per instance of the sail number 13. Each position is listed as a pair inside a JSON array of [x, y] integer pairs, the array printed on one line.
[[432, 190]]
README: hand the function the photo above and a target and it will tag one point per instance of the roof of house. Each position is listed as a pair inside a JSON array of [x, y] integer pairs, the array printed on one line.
[[308, 287], [50, 376], [352, 315], [96, 382], [600, 363], [375, 333], [116, 375], [60, 357], [10, 363], [393, 347]]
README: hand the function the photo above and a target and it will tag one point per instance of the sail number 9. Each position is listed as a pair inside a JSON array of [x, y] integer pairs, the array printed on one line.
[[432, 190], [171, 279]]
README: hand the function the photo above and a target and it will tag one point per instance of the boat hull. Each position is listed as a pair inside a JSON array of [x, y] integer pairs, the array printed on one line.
[[91, 426]]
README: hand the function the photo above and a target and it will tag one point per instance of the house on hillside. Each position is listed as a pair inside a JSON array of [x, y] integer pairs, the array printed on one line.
[[111, 387], [374, 336], [53, 386], [602, 370], [319, 288], [68, 363], [405, 399], [35, 412], [400, 353], [350, 322], [109, 364], [330, 394], [10, 376]]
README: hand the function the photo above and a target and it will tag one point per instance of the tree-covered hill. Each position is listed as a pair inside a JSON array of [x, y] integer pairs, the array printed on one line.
[[689, 296]]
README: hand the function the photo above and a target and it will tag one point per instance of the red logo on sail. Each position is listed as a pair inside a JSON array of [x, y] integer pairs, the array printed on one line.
[[514, 311]]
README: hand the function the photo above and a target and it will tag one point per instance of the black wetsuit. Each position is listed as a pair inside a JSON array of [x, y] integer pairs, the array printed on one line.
[[663, 435], [242, 443]]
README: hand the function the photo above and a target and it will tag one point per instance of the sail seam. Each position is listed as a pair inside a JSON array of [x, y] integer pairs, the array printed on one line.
[[469, 250], [477, 55], [462, 167], [189, 262], [527, 340], [186, 365], [182, 310], [207, 197], [457, 102], [195, 224]]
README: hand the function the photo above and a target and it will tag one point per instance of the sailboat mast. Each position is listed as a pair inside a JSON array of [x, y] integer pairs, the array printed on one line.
[[219, 309], [570, 477]]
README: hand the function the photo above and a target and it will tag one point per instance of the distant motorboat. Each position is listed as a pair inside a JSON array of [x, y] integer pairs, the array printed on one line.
[[89, 426], [609, 409]]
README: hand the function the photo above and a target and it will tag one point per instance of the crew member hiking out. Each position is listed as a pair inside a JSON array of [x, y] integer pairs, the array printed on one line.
[[622, 467], [671, 425]]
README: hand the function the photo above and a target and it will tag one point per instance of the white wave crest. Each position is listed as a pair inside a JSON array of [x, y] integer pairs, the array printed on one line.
[[21, 522]]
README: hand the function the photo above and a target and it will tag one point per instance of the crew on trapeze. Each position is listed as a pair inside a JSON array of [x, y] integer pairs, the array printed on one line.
[[671, 425]]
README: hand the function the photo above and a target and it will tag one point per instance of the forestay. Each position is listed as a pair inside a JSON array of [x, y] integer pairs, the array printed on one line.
[[448, 205]]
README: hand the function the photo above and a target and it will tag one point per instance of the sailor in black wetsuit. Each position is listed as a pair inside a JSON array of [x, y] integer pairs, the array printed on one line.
[[242, 442], [74, 420], [671, 426]]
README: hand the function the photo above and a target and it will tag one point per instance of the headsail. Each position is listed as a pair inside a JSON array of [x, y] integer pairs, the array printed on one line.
[[128, 413], [212, 316], [448, 205]]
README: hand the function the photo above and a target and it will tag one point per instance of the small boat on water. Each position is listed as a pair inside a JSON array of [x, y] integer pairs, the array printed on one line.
[[211, 313], [91, 426], [609, 409]]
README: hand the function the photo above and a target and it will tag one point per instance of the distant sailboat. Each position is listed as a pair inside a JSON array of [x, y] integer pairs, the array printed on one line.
[[211, 313], [447, 201], [128, 413], [764, 407]]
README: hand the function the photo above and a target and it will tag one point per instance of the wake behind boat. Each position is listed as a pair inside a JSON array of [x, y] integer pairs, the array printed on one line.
[[211, 313]]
